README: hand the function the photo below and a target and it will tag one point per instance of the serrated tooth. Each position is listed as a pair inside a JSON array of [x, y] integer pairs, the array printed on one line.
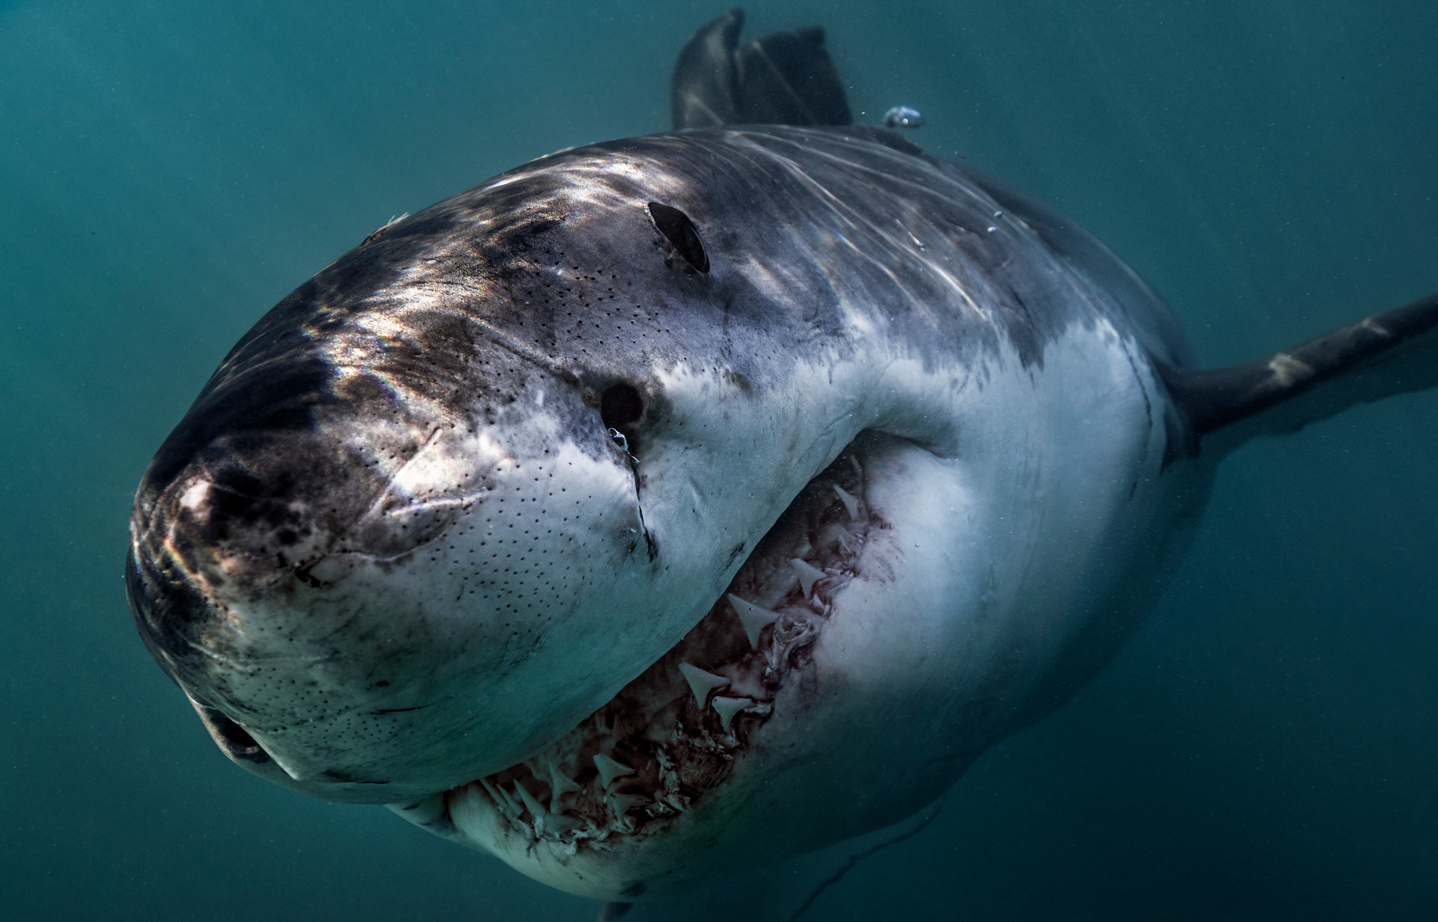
[[754, 619], [835, 533], [850, 503], [560, 823], [610, 769], [808, 573], [535, 808], [502, 800], [701, 682], [559, 785], [728, 707], [626, 802]]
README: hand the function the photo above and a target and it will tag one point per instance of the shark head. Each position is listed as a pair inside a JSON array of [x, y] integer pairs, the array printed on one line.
[[650, 510], [452, 494]]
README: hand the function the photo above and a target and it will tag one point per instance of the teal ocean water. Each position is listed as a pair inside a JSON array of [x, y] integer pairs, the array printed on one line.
[[1267, 747]]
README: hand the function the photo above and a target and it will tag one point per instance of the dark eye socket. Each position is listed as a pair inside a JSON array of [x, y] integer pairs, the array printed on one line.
[[620, 406], [681, 232]]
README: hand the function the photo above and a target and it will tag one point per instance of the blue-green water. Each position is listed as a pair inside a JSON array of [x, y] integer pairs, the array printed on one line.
[[1266, 748]]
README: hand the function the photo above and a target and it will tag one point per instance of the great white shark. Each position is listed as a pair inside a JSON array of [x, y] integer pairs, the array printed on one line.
[[675, 505]]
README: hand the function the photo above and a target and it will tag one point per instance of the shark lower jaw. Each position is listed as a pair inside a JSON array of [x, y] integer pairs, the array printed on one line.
[[671, 737]]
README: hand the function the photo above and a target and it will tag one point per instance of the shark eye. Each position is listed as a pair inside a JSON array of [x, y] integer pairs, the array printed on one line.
[[620, 406], [680, 231]]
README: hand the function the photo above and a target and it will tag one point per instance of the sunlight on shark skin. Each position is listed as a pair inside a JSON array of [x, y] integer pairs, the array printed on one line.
[[754, 379], [680, 504]]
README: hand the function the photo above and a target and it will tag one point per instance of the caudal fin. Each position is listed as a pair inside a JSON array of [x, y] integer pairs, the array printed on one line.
[[1390, 353], [781, 79]]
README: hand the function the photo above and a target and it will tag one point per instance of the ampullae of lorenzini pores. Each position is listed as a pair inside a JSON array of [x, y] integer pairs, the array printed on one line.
[[677, 505]]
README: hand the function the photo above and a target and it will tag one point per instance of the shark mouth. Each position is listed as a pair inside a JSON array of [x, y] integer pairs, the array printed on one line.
[[671, 735]]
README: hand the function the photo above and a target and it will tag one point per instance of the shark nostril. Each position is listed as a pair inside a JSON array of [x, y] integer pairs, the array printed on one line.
[[238, 489]]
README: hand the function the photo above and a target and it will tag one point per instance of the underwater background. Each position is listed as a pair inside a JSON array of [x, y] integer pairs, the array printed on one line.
[[1266, 748]]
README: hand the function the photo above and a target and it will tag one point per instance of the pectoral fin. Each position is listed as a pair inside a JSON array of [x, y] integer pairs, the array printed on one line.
[[1390, 353]]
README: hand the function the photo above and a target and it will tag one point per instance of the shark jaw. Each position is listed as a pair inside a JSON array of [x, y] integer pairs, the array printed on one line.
[[909, 608], [619, 781]]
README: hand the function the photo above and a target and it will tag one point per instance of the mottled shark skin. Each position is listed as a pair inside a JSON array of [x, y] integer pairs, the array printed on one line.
[[672, 506]]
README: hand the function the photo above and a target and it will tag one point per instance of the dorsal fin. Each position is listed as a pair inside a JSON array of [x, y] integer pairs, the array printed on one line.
[[1390, 353], [781, 79]]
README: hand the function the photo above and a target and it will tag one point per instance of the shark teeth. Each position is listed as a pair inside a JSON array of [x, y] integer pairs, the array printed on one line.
[[808, 573], [558, 824], [679, 756], [551, 820], [754, 619], [626, 802], [514, 805], [535, 808], [559, 784], [728, 707], [833, 534], [700, 682], [610, 769], [502, 800]]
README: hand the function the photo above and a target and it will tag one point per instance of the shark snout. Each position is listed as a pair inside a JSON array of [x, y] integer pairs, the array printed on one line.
[[355, 605]]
